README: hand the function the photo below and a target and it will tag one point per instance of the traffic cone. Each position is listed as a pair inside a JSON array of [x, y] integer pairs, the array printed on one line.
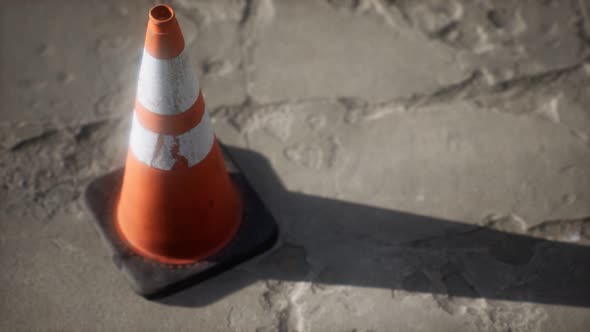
[[175, 214]]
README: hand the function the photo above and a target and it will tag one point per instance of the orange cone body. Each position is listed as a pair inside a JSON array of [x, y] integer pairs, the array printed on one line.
[[177, 202]]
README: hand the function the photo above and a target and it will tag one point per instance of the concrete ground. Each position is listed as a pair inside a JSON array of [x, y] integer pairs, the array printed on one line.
[[378, 132]]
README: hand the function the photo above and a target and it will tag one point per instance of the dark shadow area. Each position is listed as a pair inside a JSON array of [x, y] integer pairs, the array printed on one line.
[[331, 242]]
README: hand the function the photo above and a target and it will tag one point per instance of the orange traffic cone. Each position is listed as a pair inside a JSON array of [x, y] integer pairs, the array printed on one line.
[[177, 208]]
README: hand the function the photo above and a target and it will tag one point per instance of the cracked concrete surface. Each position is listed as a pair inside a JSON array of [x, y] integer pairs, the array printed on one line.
[[428, 162]]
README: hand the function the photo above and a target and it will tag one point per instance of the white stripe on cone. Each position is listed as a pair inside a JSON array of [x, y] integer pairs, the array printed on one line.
[[194, 145], [167, 86]]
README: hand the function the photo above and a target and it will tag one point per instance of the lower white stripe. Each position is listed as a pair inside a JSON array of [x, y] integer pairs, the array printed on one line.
[[194, 145]]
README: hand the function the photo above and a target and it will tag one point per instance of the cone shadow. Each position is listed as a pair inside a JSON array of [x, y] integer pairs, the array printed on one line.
[[343, 243]]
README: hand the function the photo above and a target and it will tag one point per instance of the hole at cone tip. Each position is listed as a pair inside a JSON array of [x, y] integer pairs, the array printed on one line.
[[161, 13]]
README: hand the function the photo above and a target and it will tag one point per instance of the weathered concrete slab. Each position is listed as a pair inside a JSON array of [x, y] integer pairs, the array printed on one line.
[[454, 160], [305, 49], [378, 133], [509, 39]]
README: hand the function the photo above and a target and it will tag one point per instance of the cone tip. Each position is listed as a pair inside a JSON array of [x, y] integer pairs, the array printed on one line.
[[163, 39], [161, 14]]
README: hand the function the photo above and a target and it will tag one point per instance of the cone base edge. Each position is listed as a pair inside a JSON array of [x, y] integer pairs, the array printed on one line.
[[257, 233]]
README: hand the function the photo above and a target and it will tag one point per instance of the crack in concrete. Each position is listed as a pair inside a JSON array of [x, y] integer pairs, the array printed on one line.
[[584, 28], [57, 159], [37, 139], [470, 89], [285, 298], [290, 315], [86, 131], [384, 13], [256, 13], [248, 12], [229, 320], [570, 230], [531, 81], [81, 131]]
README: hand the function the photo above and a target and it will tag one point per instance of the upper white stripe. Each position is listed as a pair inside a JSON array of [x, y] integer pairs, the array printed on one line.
[[194, 145], [167, 86]]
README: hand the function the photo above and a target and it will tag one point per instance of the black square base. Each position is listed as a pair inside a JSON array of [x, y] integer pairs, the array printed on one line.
[[151, 279]]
